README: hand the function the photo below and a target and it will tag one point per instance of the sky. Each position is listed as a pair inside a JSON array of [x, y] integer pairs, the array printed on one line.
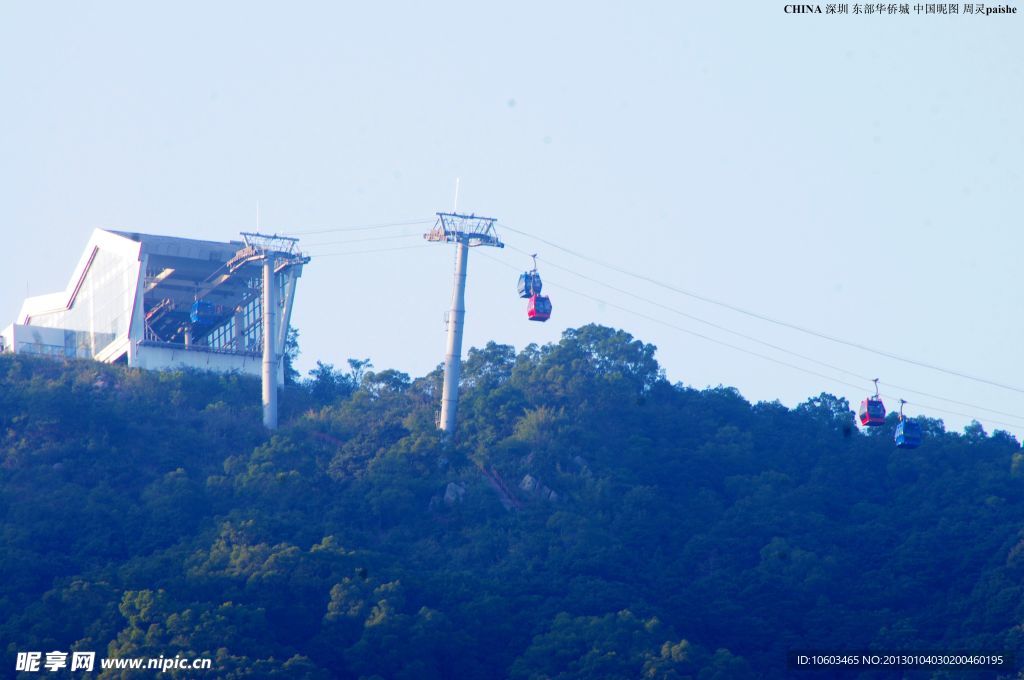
[[858, 176]]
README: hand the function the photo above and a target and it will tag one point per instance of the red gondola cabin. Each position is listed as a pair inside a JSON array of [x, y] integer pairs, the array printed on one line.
[[872, 412], [539, 308]]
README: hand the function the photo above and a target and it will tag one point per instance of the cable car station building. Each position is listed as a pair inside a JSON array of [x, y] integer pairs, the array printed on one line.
[[159, 302]]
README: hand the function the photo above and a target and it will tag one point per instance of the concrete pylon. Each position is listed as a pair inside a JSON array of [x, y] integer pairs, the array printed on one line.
[[270, 357], [453, 355]]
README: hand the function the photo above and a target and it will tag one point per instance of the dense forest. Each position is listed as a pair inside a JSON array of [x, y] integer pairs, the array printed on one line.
[[589, 520]]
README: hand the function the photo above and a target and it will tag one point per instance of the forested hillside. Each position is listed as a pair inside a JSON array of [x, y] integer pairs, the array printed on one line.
[[591, 520]]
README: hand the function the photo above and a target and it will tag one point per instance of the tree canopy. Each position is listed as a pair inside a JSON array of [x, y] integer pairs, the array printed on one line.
[[589, 519]]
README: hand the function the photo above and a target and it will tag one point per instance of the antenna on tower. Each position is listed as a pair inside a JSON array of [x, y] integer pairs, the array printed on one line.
[[465, 231], [455, 208]]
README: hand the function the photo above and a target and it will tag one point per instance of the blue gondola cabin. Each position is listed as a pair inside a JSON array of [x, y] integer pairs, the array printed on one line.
[[872, 412], [529, 284], [908, 434], [539, 308], [204, 312]]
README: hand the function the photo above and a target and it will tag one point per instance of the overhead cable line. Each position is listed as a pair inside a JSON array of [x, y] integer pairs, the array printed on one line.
[[358, 240], [762, 317], [360, 227], [373, 250], [766, 357], [687, 330], [760, 341], [691, 316]]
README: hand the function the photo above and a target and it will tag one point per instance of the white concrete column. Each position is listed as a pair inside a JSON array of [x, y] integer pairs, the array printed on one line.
[[453, 355], [270, 355]]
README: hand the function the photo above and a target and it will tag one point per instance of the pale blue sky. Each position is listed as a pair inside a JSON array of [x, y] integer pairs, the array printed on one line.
[[856, 175]]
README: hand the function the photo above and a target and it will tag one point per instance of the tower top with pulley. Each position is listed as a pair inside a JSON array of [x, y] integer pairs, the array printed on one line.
[[469, 229], [284, 250]]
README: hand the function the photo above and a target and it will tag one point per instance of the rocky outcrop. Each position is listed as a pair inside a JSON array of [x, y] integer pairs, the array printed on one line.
[[453, 493], [532, 486]]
